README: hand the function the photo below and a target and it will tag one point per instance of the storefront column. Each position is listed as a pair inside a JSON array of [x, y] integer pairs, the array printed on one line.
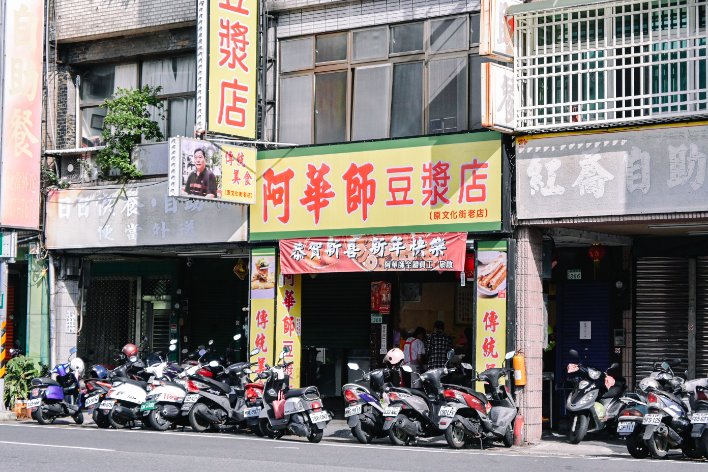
[[530, 327]]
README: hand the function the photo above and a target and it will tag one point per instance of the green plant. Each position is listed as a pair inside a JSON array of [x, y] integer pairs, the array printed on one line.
[[20, 372], [126, 123]]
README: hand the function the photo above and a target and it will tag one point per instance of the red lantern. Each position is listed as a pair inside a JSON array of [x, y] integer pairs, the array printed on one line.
[[596, 252], [469, 265]]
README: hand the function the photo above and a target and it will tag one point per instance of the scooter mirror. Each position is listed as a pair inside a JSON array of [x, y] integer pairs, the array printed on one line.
[[467, 366], [574, 354], [173, 347], [237, 337], [184, 351], [72, 351], [247, 371], [173, 341], [255, 351], [615, 365], [213, 364], [450, 353], [133, 358], [353, 366], [509, 355], [407, 368], [282, 355], [211, 341], [202, 352]]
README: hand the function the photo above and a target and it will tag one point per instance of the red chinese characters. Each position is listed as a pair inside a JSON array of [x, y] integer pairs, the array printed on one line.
[[491, 321], [232, 44], [262, 319], [234, 6], [232, 103], [261, 342], [288, 325], [289, 299], [489, 348], [276, 191], [399, 185], [360, 188], [318, 192], [436, 181], [474, 188]]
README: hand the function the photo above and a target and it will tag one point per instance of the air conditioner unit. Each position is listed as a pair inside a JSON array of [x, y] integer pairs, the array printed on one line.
[[70, 168]]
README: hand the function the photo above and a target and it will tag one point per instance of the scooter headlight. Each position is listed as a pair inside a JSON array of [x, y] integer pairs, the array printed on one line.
[[594, 374], [583, 384]]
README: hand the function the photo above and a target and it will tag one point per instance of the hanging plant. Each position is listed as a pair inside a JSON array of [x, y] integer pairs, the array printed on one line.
[[128, 121]]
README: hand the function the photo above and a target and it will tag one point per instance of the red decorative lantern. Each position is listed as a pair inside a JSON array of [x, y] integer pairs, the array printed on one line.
[[596, 252], [469, 265]]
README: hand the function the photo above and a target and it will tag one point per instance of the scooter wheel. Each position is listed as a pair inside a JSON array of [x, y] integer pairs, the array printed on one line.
[[658, 446], [267, 430], [78, 417], [198, 423], [399, 437], [315, 437], [361, 435], [39, 417], [101, 419], [115, 421], [578, 428], [636, 446], [455, 435], [508, 439], [157, 421]]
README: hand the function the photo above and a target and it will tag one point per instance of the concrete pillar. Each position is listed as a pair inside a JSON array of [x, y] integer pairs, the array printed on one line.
[[530, 327], [66, 312]]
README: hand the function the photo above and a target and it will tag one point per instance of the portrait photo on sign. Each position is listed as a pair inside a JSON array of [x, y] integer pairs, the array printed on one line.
[[201, 169]]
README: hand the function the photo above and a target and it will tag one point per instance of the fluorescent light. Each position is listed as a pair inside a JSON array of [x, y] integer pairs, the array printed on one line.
[[201, 253], [679, 226]]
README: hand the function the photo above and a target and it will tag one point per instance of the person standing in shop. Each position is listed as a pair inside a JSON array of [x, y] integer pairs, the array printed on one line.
[[438, 345], [414, 349]]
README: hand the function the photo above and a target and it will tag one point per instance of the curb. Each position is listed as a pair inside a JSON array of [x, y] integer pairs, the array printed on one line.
[[7, 416]]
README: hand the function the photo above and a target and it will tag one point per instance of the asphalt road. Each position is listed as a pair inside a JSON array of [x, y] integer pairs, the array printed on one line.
[[31, 447]]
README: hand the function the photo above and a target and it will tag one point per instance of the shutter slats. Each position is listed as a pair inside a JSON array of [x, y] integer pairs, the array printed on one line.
[[702, 317]]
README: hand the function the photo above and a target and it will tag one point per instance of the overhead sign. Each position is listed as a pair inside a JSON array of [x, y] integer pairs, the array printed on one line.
[[437, 183], [383, 253], [205, 170], [498, 97], [231, 62], [21, 113], [496, 29], [139, 214], [641, 171]]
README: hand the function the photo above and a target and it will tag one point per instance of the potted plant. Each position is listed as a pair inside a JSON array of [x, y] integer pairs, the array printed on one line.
[[20, 372]]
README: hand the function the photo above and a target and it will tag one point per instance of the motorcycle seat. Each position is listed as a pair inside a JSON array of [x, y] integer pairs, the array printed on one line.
[[46, 381], [137, 383], [617, 389], [492, 376], [297, 392]]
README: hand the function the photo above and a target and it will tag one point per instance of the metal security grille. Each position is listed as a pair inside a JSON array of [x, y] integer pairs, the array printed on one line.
[[702, 317], [609, 62], [108, 320], [661, 311], [156, 323]]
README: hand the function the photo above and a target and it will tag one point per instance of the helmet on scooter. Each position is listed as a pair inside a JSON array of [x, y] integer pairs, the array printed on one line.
[[394, 357], [77, 365], [129, 350], [648, 384], [98, 372]]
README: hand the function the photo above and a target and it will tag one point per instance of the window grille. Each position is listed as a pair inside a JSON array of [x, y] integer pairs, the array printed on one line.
[[610, 63]]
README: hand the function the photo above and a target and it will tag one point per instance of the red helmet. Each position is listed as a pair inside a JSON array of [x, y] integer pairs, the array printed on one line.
[[130, 350]]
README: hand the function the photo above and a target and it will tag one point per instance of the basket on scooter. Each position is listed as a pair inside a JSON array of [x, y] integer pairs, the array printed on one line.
[[311, 393]]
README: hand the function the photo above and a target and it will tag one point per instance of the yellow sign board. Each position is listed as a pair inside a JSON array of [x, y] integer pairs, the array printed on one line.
[[289, 324], [233, 41], [437, 183], [238, 174], [262, 320]]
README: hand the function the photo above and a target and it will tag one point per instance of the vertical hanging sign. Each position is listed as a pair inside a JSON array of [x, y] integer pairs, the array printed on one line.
[[289, 324], [262, 320], [21, 113], [491, 287], [232, 67]]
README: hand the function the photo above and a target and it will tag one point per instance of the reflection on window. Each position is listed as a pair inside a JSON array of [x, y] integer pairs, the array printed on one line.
[[370, 44], [406, 38], [296, 54], [371, 102], [295, 110], [447, 95], [449, 34], [331, 47], [330, 107], [407, 103]]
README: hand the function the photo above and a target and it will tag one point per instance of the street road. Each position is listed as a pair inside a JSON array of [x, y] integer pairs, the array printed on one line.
[[31, 447]]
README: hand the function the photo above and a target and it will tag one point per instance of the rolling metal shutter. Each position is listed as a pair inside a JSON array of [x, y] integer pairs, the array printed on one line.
[[702, 317], [661, 307]]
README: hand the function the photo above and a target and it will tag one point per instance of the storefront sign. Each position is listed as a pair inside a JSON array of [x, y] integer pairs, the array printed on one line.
[[137, 214], [441, 183], [262, 322], [232, 46], [575, 274], [205, 170], [491, 306], [382, 253], [288, 330], [380, 298], [642, 171], [21, 53]]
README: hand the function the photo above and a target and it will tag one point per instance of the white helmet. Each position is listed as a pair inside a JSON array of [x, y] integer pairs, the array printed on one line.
[[648, 384], [77, 365], [393, 357]]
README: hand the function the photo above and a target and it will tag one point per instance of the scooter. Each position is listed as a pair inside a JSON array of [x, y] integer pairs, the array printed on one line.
[[595, 400], [52, 398], [96, 389], [364, 407], [472, 415], [699, 418], [163, 401], [290, 410]]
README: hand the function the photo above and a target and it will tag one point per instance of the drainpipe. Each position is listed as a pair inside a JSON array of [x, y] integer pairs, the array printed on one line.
[[52, 314]]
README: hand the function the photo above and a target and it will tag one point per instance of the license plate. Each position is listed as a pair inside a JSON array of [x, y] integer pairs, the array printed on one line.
[[319, 417], [652, 419], [699, 418], [625, 427], [147, 406], [191, 398], [252, 412], [106, 404], [34, 403], [447, 411], [352, 410], [92, 400], [392, 410]]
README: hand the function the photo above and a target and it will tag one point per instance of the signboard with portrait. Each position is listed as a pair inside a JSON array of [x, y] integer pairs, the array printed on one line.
[[202, 169], [411, 252], [491, 287], [262, 319], [437, 183], [227, 43]]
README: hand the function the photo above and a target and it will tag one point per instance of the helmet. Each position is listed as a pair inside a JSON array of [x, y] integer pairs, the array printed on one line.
[[129, 350], [648, 384], [393, 357], [77, 365], [98, 372]]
